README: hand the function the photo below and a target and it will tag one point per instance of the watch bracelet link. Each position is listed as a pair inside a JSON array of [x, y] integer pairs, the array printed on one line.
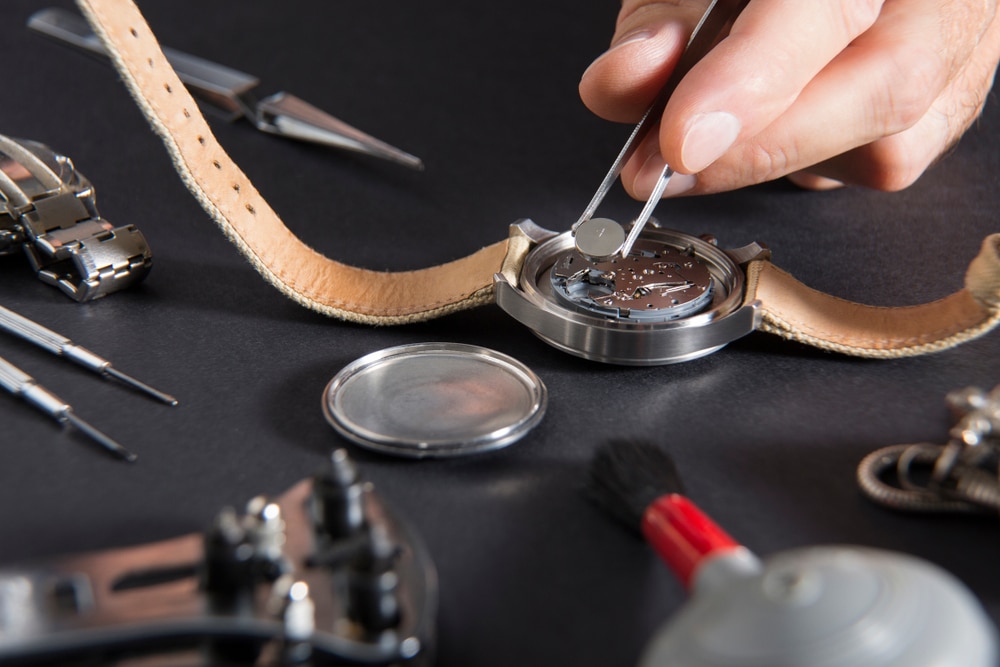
[[789, 308], [52, 216]]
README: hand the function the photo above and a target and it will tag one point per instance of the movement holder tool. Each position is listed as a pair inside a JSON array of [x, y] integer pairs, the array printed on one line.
[[326, 574]]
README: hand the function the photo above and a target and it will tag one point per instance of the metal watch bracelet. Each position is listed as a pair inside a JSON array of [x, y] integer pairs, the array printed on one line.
[[47, 209]]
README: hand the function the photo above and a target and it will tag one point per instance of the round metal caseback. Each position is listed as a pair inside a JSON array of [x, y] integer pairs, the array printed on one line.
[[434, 400], [675, 297]]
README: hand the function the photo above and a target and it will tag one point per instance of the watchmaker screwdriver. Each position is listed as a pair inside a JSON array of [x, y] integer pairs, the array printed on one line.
[[19, 383], [61, 346]]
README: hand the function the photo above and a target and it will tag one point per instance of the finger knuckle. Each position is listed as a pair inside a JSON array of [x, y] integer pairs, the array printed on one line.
[[893, 180], [910, 81], [766, 161], [895, 163], [857, 16]]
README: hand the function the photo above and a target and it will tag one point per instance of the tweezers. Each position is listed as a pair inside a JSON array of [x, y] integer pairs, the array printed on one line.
[[713, 27], [231, 93]]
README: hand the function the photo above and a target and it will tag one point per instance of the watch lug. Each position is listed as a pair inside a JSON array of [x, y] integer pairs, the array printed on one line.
[[749, 253], [527, 227]]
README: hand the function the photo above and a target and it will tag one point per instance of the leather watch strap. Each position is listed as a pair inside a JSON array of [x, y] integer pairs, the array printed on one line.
[[790, 309], [225, 192], [800, 313]]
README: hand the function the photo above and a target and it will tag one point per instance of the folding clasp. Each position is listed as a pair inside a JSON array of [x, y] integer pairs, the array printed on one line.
[[51, 214]]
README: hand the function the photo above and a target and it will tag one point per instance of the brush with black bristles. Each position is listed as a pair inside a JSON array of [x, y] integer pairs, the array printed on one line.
[[810, 606], [638, 484]]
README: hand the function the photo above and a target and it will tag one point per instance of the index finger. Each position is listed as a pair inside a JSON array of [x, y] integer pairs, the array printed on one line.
[[649, 39], [775, 48]]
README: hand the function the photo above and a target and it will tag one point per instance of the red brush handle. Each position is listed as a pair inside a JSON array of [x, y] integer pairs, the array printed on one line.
[[683, 535]]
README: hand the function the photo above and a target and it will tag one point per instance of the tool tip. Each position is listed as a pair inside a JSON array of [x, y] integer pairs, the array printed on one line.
[[400, 157], [101, 439], [141, 386], [163, 398]]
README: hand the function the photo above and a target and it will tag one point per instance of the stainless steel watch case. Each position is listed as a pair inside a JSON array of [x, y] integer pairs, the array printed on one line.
[[644, 336]]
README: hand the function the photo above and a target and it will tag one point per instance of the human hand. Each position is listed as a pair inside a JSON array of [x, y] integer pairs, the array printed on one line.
[[826, 92]]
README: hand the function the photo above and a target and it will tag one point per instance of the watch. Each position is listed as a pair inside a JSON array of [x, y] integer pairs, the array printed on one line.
[[675, 297], [47, 210]]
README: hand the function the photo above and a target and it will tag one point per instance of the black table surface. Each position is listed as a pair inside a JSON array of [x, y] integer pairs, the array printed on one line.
[[766, 433]]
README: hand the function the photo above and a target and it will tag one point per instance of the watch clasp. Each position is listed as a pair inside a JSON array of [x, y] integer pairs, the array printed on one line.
[[51, 214]]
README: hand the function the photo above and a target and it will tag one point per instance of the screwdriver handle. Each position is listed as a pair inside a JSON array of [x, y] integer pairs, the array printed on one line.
[[19, 383], [59, 345], [32, 331]]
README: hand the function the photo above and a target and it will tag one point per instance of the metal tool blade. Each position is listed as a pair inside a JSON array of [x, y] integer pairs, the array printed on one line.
[[292, 116], [231, 92]]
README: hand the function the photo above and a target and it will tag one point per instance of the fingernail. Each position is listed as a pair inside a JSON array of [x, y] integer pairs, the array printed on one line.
[[649, 174], [808, 181], [708, 138], [630, 38]]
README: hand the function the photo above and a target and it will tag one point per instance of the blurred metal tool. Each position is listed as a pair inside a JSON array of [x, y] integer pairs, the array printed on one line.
[[327, 574], [962, 475], [19, 383], [61, 346], [601, 239], [232, 92]]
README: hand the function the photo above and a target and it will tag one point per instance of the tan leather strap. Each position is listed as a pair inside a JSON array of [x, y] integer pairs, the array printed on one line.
[[790, 309], [225, 192], [800, 313]]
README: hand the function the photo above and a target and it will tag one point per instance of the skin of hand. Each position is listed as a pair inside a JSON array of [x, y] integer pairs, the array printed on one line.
[[825, 92]]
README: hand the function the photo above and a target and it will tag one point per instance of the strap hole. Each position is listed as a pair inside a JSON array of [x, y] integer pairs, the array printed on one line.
[[149, 61], [252, 210], [167, 88], [133, 32], [236, 187], [187, 114], [201, 140], [215, 163]]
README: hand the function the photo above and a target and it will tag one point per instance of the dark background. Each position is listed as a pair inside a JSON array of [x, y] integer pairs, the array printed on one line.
[[766, 433]]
